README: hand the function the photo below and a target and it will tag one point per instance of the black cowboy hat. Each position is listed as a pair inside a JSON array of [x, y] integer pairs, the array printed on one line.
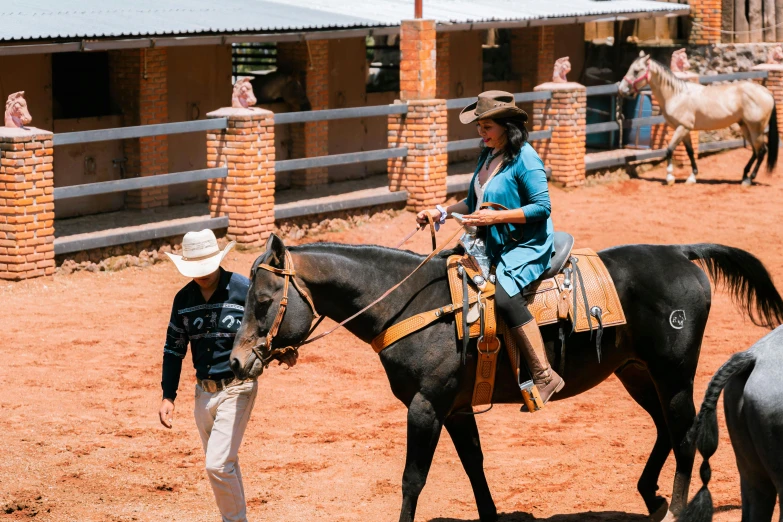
[[492, 104]]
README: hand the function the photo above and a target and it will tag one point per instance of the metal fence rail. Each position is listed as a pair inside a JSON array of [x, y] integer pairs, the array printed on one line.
[[633, 123], [340, 159], [520, 97], [340, 114], [141, 131], [160, 180], [728, 77], [121, 236], [475, 143]]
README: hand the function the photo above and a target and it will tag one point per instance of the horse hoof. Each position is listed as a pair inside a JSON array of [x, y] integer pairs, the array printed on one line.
[[670, 179], [691, 180], [747, 182], [659, 514]]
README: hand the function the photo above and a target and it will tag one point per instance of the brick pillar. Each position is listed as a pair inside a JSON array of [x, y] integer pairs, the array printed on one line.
[[533, 55], [565, 114], [705, 22], [310, 61], [423, 172], [26, 203], [317, 132], [423, 130], [247, 195], [140, 88], [442, 66], [774, 83], [680, 154]]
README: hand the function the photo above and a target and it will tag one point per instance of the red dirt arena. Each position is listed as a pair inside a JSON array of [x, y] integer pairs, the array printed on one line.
[[81, 390]]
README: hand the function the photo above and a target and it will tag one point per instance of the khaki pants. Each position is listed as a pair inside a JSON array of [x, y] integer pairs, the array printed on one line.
[[221, 418]]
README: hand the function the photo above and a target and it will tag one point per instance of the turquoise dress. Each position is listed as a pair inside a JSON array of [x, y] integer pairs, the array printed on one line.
[[521, 252]]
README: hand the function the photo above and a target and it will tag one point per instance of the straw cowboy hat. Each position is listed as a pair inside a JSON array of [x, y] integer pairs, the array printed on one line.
[[200, 254], [492, 104]]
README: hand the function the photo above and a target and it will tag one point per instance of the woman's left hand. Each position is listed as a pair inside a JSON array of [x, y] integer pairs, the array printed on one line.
[[482, 218]]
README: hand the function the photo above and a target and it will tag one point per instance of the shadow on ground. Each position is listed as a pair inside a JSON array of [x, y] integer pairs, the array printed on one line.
[[589, 516]]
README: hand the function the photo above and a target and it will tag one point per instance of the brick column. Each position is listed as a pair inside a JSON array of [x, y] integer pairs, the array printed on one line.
[[423, 172], [247, 195], [139, 86], [26, 203], [317, 132], [423, 130], [774, 83], [706, 22], [533, 55], [565, 114], [310, 61], [442, 66], [680, 154]]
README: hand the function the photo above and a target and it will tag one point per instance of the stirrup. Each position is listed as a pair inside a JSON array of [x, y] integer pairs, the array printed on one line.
[[531, 396]]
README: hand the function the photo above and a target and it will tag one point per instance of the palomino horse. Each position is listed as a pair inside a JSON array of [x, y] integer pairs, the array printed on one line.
[[753, 404], [653, 355], [688, 106]]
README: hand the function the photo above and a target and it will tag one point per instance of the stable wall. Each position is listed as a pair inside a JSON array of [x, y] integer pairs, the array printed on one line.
[[199, 81]]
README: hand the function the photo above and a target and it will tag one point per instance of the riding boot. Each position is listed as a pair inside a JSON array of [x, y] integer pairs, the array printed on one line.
[[531, 347]]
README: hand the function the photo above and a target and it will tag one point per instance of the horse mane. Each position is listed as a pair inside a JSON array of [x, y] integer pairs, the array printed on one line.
[[370, 250], [669, 78]]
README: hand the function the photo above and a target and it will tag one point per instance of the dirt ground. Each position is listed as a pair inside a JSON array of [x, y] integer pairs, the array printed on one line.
[[81, 372]]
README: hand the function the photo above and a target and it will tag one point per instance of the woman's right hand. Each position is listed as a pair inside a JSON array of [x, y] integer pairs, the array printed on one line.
[[421, 217]]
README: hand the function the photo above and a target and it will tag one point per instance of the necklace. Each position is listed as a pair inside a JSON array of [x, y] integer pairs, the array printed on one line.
[[491, 158]]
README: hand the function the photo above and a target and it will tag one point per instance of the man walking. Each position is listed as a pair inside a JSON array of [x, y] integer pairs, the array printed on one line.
[[207, 313]]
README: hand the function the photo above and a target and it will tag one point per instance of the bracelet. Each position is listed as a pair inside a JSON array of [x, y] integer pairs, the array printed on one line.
[[443, 214]]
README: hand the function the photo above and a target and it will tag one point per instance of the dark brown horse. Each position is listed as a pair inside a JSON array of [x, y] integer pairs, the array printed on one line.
[[666, 298]]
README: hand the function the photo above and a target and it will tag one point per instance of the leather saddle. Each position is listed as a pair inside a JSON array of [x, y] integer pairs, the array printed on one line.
[[564, 244]]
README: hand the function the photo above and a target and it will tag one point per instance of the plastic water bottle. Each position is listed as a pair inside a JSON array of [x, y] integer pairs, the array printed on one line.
[[474, 246]]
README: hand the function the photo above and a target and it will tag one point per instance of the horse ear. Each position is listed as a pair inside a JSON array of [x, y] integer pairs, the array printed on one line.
[[641, 54], [276, 246], [647, 58]]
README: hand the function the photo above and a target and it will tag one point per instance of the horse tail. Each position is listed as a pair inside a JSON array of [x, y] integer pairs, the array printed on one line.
[[744, 276], [773, 140], [704, 433]]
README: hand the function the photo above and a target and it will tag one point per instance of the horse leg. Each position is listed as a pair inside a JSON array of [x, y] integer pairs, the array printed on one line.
[[758, 499], [745, 179], [689, 149], [679, 133], [640, 386], [464, 434], [760, 145], [424, 428], [675, 392]]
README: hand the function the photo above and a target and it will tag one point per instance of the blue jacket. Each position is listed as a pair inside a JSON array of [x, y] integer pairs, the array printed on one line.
[[521, 252]]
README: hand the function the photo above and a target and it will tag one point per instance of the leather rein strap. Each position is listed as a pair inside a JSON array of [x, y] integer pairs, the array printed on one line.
[[289, 275]]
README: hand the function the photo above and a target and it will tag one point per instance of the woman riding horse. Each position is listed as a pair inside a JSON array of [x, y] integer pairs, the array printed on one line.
[[519, 239]]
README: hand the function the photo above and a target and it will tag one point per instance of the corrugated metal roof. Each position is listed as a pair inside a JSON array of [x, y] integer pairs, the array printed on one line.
[[476, 11], [76, 19]]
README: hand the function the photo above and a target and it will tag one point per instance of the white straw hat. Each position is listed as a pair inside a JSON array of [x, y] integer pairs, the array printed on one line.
[[200, 254]]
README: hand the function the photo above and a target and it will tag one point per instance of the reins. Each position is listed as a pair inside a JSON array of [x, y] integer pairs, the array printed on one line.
[[645, 76], [289, 274]]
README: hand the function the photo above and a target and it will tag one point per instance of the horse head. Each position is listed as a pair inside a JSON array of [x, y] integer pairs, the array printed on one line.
[[243, 96], [562, 67], [295, 95], [680, 61], [16, 113], [637, 77], [276, 315], [775, 55]]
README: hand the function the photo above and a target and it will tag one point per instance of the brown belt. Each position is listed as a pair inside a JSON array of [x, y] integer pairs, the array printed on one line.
[[212, 386]]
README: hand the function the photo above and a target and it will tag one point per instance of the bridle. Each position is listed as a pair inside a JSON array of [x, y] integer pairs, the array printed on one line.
[[634, 82], [289, 276]]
